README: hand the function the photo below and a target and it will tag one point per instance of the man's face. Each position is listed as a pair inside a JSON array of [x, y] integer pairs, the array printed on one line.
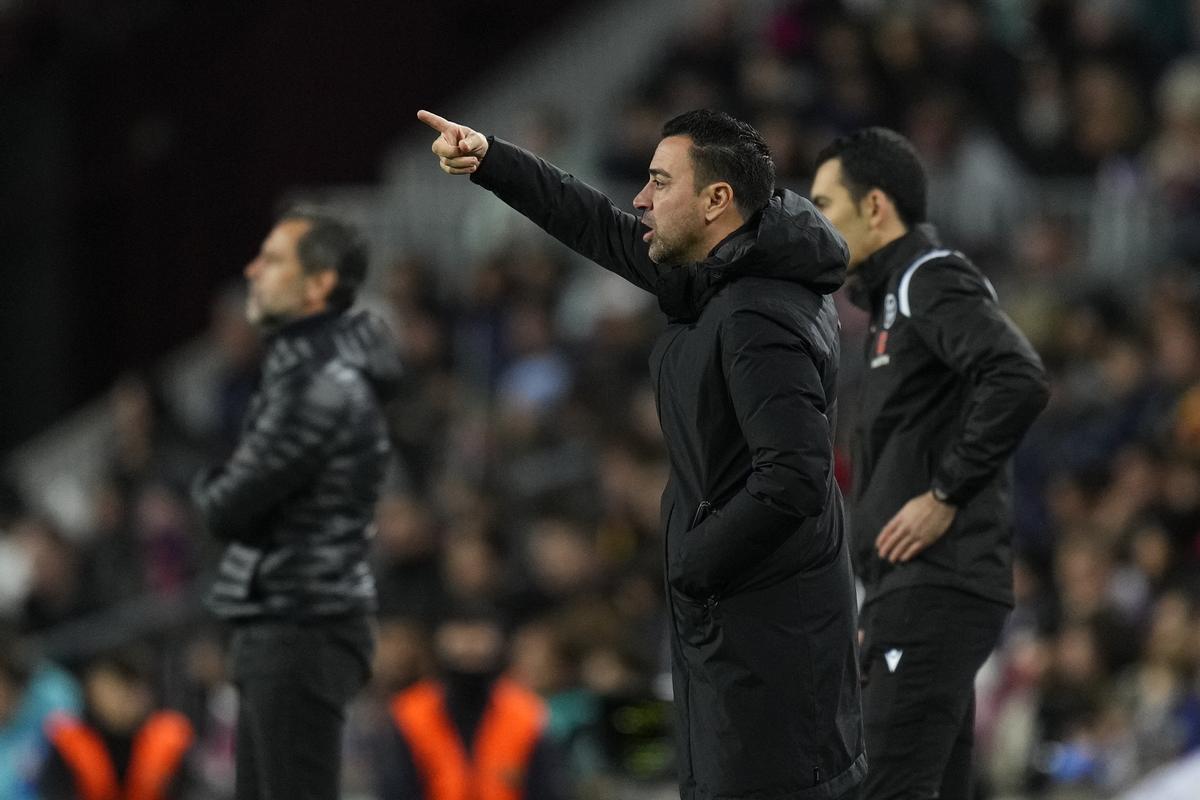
[[670, 205], [474, 647], [278, 289], [831, 196]]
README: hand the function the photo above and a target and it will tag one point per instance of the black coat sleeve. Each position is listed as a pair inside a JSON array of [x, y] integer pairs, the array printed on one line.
[[576, 214], [779, 399], [283, 449], [956, 315]]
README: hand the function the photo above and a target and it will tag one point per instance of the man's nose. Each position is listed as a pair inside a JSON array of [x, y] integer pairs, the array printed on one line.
[[251, 269], [641, 200]]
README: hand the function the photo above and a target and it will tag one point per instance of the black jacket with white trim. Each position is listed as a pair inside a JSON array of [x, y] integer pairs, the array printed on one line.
[[949, 389]]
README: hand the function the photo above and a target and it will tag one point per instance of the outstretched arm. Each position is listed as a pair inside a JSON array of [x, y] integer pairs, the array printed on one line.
[[576, 214]]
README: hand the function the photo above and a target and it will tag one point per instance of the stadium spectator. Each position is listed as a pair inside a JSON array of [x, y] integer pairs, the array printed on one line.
[[32, 691], [471, 731], [123, 745]]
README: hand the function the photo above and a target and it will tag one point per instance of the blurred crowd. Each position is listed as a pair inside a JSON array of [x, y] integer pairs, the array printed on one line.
[[1062, 140]]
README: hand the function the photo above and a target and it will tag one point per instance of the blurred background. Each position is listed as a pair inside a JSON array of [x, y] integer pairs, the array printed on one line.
[[145, 146]]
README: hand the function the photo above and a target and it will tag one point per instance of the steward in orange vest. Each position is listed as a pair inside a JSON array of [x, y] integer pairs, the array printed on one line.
[[123, 749], [150, 771], [470, 735]]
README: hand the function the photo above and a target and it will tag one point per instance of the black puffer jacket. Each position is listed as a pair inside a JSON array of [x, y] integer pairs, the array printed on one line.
[[296, 500], [757, 561]]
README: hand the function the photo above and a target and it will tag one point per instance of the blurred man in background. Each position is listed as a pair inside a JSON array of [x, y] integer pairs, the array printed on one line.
[[472, 732], [757, 568], [122, 746], [950, 388], [295, 503]]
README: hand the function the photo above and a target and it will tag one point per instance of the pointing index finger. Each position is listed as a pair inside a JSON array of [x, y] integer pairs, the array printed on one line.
[[439, 124]]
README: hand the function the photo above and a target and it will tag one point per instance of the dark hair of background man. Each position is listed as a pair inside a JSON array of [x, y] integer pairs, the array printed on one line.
[[332, 244], [878, 158]]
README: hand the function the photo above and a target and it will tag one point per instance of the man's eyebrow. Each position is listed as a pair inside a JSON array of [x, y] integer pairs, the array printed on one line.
[[656, 172]]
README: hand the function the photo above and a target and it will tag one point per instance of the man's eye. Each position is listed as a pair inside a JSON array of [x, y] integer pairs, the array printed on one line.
[[658, 184]]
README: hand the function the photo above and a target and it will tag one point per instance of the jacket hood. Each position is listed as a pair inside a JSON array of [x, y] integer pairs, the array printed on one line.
[[788, 240], [365, 342], [360, 339]]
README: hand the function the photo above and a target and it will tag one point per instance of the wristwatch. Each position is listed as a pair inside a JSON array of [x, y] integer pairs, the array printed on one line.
[[940, 495]]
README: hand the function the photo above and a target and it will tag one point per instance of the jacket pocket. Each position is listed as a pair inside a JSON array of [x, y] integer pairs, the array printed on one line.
[[682, 574]]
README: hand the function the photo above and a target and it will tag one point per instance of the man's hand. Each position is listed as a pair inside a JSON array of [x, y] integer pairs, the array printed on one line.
[[459, 149], [919, 524]]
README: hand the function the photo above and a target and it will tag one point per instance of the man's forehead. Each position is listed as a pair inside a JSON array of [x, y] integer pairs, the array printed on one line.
[[672, 154], [286, 233], [828, 176]]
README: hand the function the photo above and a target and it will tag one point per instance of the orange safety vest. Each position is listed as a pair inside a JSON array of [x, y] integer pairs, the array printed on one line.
[[157, 750], [510, 728]]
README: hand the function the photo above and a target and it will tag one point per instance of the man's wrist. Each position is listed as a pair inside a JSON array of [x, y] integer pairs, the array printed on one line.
[[941, 495], [483, 159]]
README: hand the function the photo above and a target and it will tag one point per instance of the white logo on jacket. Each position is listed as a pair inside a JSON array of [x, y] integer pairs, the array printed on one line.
[[889, 312], [893, 658]]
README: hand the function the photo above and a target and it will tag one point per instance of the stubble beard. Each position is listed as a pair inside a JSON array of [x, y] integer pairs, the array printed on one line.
[[659, 251], [667, 252], [262, 319], [254, 312]]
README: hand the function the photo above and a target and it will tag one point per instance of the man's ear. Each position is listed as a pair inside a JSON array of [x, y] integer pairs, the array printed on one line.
[[318, 285], [878, 207], [719, 199]]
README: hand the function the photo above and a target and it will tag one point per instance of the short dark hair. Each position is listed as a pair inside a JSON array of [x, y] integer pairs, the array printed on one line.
[[133, 664], [727, 149], [330, 243], [880, 158]]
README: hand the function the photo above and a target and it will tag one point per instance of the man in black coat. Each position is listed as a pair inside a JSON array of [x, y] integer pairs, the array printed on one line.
[[757, 567], [950, 386], [295, 504]]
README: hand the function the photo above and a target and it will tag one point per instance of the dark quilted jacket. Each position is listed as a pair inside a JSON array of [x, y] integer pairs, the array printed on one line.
[[296, 500]]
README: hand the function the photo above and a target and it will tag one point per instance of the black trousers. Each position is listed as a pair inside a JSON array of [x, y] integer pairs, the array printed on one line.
[[294, 680], [921, 649]]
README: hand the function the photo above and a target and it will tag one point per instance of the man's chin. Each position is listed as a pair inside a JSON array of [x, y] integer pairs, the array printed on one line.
[[266, 321], [662, 256]]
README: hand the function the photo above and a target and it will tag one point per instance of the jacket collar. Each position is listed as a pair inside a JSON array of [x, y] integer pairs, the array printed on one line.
[[359, 339], [683, 291], [297, 341], [304, 326], [866, 283], [787, 240]]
